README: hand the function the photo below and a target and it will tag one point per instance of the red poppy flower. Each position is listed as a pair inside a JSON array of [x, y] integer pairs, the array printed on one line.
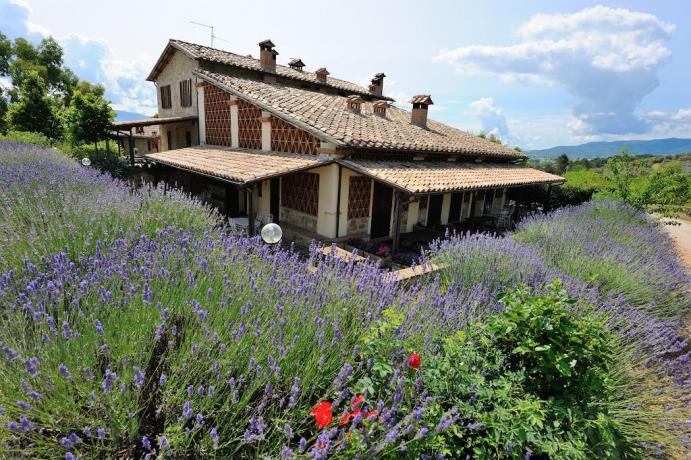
[[347, 417], [359, 399], [414, 361], [322, 414], [372, 413]]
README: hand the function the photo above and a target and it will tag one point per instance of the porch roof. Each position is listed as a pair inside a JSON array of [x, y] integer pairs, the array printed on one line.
[[125, 125], [238, 166], [420, 177]]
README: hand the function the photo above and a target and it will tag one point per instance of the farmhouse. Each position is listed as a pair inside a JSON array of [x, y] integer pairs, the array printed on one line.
[[325, 158]]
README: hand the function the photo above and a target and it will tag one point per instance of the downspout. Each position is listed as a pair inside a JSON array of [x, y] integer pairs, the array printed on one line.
[[199, 125], [338, 198]]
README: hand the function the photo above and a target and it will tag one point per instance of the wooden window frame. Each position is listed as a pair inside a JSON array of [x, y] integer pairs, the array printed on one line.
[[166, 97], [186, 93]]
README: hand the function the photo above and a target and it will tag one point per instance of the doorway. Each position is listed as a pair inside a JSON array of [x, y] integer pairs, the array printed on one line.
[[274, 199], [381, 210], [434, 210]]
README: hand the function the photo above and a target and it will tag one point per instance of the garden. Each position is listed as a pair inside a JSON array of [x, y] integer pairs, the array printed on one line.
[[133, 325]]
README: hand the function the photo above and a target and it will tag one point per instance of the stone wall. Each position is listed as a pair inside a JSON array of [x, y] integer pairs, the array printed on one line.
[[299, 219], [179, 68]]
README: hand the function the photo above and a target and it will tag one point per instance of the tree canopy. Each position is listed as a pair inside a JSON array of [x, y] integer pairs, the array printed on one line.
[[35, 110]]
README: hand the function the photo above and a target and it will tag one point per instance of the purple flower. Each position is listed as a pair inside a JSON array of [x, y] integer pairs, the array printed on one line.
[[66, 331], [187, 410], [101, 433], [31, 366], [99, 327], [163, 442], [287, 453], [146, 444], [138, 379], [70, 456], [23, 405], [64, 371], [162, 380], [108, 381], [214, 436]]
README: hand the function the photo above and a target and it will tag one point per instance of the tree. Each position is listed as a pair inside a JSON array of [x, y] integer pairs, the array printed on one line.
[[667, 191], [35, 110], [3, 112], [621, 170], [561, 164], [89, 117], [5, 55]]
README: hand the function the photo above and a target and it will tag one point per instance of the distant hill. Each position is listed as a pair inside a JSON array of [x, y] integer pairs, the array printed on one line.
[[669, 146], [122, 115]]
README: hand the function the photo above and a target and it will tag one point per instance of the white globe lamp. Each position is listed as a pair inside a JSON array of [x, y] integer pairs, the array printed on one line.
[[272, 233]]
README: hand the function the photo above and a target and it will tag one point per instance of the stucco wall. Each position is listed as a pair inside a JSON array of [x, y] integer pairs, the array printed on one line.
[[179, 135], [179, 68]]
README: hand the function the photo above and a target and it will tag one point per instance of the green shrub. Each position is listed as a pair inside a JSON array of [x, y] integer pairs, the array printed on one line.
[[536, 379], [26, 138]]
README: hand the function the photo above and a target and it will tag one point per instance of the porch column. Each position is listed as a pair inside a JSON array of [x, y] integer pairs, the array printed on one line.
[[397, 222], [201, 113], [266, 131], [234, 130], [131, 141]]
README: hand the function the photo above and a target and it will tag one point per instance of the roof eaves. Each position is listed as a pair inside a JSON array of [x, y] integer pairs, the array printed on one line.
[[172, 44], [300, 124]]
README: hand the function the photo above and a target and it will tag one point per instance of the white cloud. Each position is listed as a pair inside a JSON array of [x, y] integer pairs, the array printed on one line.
[[491, 117], [90, 59], [607, 57]]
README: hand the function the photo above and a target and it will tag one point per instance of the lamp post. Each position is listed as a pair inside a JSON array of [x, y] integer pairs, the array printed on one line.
[[86, 162], [271, 233]]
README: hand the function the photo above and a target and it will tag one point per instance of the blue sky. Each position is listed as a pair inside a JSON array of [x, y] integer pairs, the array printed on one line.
[[537, 73]]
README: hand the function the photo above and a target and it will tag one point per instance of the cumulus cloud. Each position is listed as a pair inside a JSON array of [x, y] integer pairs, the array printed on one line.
[[90, 59], [491, 117], [608, 58]]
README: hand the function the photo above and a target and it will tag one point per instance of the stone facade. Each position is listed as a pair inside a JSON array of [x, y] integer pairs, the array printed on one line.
[[178, 69]]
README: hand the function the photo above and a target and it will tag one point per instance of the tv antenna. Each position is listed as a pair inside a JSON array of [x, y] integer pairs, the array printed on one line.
[[212, 32]]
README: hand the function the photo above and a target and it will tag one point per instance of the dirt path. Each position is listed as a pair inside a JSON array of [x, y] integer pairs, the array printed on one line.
[[682, 236]]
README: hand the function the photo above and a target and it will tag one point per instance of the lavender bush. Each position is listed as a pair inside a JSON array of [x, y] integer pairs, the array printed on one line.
[[145, 331], [50, 204]]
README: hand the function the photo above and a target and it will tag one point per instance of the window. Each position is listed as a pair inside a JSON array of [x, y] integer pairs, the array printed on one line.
[[300, 191], [139, 130], [487, 203], [186, 93], [166, 102], [359, 190]]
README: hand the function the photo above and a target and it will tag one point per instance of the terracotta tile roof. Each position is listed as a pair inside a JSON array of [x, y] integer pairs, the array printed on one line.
[[326, 116], [236, 165], [425, 99], [429, 176], [206, 53]]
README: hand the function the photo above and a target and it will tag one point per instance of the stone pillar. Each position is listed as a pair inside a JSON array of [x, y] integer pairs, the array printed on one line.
[[266, 131], [445, 208], [202, 114], [234, 130], [413, 209]]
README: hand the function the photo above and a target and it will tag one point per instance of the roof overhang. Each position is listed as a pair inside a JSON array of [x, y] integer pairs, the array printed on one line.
[[168, 51], [125, 125], [239, 167], [430, 177]]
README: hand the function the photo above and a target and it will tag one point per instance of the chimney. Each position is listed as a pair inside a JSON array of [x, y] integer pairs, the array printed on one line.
[[353, 103], [380, 107], [321, 74], [377, 86], [297, 64], [267, 56], [419, 114]]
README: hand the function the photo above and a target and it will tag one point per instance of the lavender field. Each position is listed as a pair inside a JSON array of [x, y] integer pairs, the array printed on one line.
[[133, 326]]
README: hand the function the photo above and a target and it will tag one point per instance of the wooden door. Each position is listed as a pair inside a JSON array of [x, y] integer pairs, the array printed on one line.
[[381, 210]]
